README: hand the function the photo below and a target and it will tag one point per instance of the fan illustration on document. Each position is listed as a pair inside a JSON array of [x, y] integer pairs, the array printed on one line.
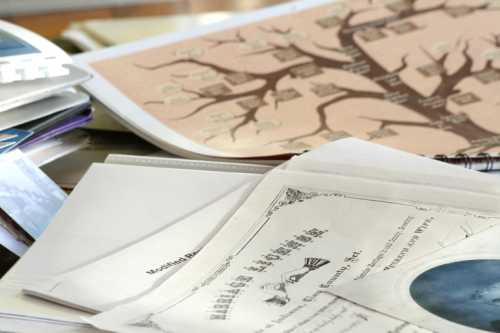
[[279, 290]]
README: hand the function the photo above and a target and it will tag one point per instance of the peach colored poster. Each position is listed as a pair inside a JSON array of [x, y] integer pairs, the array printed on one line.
[[422, 76]]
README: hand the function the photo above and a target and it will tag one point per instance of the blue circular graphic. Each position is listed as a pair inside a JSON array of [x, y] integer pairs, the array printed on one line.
[[465, 292]]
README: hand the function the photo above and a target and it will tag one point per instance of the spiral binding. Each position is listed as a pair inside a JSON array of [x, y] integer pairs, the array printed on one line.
[[479, 162]]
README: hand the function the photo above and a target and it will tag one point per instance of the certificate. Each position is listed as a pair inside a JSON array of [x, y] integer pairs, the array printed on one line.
[[295, 238]]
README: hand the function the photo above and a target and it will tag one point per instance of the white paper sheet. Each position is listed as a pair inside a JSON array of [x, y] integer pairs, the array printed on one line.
[[182, 163], [454, 290], [29, 325], [139, 268], [112, 207], [296, 236], [360, 158], [10, 242]]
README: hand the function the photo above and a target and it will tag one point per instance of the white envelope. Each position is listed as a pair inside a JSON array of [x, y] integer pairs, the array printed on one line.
[[113, 206]]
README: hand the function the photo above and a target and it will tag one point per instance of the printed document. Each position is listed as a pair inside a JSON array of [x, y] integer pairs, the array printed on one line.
[[296, 237], [455, 290]]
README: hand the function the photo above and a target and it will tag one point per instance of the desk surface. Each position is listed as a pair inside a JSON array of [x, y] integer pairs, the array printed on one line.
[[51, 24]]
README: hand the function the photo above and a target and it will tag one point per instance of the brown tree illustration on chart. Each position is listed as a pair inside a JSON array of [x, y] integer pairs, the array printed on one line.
[[346, 53]]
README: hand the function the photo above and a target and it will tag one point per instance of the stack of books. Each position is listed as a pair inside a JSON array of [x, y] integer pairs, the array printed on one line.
[[39, 111], [38, 101]]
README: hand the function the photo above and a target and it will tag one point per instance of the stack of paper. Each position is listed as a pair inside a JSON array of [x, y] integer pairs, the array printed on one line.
[[37, 101], [159, 245]]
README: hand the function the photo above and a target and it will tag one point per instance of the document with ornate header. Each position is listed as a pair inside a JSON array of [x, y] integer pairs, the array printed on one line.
[[297, 236]]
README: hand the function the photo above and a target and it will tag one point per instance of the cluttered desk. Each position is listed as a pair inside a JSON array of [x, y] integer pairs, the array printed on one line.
[[311, 166]]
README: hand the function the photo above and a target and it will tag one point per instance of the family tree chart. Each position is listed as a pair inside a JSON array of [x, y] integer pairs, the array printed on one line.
[[416, 75]]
